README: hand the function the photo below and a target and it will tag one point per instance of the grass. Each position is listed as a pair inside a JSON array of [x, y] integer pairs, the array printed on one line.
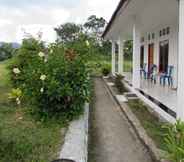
[[22, 138], [150, 122], [127, 66]]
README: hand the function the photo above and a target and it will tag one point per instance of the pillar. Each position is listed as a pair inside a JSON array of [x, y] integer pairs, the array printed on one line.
[[136, 56], [180, 108], [121, 56]]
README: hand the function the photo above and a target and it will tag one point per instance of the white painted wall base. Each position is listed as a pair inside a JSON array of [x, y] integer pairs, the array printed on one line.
[[76, 140], [152, 105]]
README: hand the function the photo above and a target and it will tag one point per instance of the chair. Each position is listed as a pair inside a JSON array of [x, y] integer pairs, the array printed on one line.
[[143, 70], [150, 71], [168, 75], [153, 73]]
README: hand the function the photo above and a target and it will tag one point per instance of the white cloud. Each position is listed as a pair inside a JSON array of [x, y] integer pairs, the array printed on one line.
[[60, 16], [46, 17], [101, 8], [48, 33], [4, 22]]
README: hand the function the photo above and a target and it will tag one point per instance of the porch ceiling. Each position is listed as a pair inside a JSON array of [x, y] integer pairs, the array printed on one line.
[[150, 14]]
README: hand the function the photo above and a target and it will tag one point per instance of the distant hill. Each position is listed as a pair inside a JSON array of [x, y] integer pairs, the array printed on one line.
[[14, 44]]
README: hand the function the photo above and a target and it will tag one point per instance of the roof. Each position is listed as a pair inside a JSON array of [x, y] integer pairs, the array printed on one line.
[[121, 3]]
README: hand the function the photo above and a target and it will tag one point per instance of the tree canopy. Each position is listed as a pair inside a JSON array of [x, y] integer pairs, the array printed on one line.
[[90, 31], [6, 51], [95, 24], [68, 32]]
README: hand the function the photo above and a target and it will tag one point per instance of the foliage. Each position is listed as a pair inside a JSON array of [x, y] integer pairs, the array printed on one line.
[[16, 95], [22, 138], [106, 69], [68, 32], [105, 48], [128, 53], [88, 50], [119, 84], [95, 24], [55, 80], [128, 50], [83, 46], [71, 34], [173, 135], [95, 27], [174, 141], [6, 51]]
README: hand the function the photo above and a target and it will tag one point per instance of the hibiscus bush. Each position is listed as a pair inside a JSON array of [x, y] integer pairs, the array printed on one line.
[[54, 79]]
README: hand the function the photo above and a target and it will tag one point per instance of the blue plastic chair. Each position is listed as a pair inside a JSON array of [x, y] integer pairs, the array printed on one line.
[[168, 75], [150, 71]]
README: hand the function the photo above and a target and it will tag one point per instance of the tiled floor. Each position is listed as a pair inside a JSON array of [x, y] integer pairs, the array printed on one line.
[[163, 94]]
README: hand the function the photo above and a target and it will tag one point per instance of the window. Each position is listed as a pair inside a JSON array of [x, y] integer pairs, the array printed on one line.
[[142, 57], [149, 37], [160, 33], [164, 56], [153, 35], [164, 31], [142, 39], [168, 30]]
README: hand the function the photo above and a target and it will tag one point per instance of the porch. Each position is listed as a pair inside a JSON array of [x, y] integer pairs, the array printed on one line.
[[163, 96]]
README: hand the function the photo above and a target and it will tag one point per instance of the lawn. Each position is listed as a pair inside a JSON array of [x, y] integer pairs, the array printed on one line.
[[127, 65], [22, 137], [150, 122]]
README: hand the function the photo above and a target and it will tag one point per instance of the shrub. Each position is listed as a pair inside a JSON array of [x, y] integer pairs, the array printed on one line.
[[174, 141], [15, 96], [106, 69], [55, 80], [119, 84]]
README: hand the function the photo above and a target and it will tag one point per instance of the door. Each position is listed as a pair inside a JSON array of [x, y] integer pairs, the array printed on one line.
[[150, 55], [142, 57], [164, 56]]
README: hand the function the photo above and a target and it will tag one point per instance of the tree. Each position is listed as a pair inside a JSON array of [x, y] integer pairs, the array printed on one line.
[[95, 25], [6, 51], [128, 49], [68, 32]]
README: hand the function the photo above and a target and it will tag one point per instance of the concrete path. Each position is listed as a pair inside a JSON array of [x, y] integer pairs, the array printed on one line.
[[112, 139]]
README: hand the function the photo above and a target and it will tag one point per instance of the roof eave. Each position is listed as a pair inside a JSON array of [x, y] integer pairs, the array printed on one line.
[[121, 3]]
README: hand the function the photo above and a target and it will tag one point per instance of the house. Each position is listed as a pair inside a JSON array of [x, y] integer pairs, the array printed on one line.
[[157, 30]]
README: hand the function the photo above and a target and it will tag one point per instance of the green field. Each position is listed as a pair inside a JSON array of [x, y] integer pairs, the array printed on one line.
[[22, 138], [127, 65]]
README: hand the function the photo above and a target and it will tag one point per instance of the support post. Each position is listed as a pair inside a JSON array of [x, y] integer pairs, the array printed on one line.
[[180, 91], [136, 56], [121, 56]]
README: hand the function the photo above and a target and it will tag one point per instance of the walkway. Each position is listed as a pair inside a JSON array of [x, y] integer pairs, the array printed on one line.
[[112, 139]]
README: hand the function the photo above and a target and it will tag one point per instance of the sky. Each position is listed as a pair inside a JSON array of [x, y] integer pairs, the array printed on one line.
[[18, 17]]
